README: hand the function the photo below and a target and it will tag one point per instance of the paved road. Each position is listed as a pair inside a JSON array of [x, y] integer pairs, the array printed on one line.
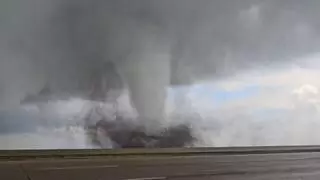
[[217, 165]]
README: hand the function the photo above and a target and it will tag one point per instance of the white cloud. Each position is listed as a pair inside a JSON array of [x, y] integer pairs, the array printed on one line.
[[284, 111]]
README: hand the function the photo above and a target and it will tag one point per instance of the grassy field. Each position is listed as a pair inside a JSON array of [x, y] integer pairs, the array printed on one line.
[[91, 153]]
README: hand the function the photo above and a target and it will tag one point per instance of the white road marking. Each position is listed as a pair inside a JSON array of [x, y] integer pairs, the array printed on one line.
[[149, 178], [77, 167]]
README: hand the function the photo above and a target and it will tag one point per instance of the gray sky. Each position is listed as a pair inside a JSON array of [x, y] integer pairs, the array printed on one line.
[[206, 38], [61, 42]]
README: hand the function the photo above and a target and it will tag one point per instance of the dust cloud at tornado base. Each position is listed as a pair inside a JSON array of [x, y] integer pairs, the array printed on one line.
[[153, 43]]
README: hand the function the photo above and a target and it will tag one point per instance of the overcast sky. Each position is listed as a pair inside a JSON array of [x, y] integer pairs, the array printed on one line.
[[259, 60]]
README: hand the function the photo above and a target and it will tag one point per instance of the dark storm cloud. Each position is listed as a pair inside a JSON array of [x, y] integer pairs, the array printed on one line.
[[62, 42]]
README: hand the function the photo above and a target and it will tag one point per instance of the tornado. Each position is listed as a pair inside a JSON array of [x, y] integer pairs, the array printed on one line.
[[148, 83], [147, 71]]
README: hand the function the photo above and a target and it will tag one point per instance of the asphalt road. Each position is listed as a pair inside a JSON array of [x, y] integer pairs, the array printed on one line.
[[224, 164]]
